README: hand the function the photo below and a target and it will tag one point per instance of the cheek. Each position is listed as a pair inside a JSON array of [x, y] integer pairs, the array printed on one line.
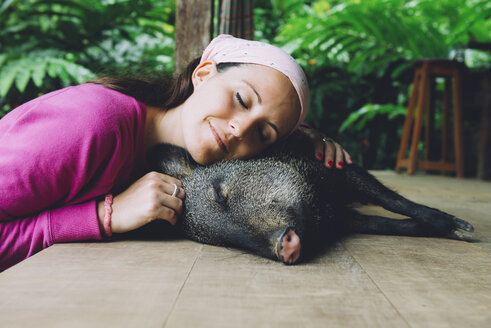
[[212, 101], [248, 149]]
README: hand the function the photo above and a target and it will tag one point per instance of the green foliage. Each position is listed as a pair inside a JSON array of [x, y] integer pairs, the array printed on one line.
[[355, 52], [358, 119], [359, 52], [48, 44], [270, 15], [370, 35], [38, 66]]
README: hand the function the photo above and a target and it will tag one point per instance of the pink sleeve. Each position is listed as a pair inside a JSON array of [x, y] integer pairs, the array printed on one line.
[[21, 238], [56, 158]]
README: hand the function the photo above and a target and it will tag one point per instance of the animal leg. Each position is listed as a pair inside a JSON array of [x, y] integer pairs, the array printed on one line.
[[369, 189], [377, 225]]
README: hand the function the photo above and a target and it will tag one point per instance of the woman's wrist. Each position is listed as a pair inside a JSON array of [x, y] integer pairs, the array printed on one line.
[[101, 213], [104, 215], [108, 203]]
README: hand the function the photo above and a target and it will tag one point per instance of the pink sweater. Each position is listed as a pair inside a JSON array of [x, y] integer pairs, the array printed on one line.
[[58, 154]]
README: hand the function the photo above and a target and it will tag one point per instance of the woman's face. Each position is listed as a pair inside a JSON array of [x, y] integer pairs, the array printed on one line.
[[238, 112]]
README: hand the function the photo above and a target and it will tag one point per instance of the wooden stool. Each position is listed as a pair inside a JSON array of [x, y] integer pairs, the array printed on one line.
[[422, 97]]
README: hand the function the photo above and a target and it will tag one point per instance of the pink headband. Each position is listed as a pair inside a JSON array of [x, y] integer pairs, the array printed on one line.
[[227, 49]]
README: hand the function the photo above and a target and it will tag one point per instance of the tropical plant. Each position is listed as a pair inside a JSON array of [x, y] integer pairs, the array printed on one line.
[[358, 119], [369, 35], [360, 52], [48, 44]]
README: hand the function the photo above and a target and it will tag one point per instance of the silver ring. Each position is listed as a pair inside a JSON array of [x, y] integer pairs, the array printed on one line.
[[176, 190], [326, 139]]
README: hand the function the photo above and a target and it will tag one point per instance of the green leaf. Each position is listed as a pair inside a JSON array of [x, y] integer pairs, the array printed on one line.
[[358, 119], [53, 69], [5, 5], [63, 75], [3, 58], [78, 73], [23, 75], [38, 73], [7, 76]]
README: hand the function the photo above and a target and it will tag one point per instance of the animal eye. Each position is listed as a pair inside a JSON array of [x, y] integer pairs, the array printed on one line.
[[241, 101], [217, 193], [220, 197]]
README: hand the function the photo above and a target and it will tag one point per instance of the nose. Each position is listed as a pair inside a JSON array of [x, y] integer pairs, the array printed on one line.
[[240, 125], [290, 246]]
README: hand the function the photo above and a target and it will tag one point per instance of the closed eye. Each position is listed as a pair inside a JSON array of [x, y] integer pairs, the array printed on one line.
[[241, 102], [261, 134]]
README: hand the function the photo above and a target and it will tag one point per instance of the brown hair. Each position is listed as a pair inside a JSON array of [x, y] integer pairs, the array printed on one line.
[[160, 90]]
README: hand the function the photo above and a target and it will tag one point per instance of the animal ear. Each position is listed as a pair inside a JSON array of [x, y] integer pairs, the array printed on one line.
[[171, 160]]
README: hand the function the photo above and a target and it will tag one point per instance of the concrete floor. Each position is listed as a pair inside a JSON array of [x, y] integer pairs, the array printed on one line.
[[363, 281]]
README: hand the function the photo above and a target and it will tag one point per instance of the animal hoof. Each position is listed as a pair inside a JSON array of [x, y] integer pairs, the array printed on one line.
[[462, 235], [461, 224], [290, 247]]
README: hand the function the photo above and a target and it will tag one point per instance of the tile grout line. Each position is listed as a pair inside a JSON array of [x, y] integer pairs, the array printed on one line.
[[376, 285], [182, 287]]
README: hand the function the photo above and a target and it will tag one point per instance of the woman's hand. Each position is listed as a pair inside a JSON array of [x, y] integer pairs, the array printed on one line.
[[326, 149], [148, 199]]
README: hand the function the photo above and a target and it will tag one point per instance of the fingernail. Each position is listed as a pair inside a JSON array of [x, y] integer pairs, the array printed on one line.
[[329, 163], [340, 164], [319, 155]]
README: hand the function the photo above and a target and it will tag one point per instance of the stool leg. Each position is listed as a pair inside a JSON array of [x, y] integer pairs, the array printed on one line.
[[413, 155], [445, 114], [457, 117], [429, 149], [408, 120]]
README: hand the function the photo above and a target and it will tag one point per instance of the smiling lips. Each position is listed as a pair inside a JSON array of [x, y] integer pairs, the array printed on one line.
[[221, 141]]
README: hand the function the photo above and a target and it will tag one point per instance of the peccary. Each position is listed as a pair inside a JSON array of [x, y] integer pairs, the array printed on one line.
[[285, 205]]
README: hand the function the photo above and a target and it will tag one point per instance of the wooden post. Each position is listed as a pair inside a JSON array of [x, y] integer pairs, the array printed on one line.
[[194, 30], [445, 118], [484, 146], [457, 117]]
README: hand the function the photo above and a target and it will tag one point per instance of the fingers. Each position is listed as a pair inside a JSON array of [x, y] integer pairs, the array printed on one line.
[[329, 153], [169, 195], [170, 189], [334, 154], [166, 207], [166, 178], [170, 210], [164, 183], [339, 155], [171, 206], [347, 157]]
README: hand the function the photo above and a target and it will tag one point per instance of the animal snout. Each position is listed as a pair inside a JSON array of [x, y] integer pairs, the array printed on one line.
[[288, 247]]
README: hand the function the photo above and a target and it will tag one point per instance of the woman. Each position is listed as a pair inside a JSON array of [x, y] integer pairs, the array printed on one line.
[[63, 154]]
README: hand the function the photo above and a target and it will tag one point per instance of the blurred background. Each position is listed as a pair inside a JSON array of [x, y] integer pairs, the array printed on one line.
[[358, 55]]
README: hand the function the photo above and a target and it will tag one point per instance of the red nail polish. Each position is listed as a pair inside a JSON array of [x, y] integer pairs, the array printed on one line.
[[340, 164], [329, 163], [319, 155]]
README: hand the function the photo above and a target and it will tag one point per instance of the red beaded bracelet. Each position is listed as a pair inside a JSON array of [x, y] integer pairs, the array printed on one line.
[[107, 218]]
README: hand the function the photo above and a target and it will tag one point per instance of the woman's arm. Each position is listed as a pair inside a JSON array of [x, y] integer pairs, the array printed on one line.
[[58, 153], [23, 237], [61, 152]]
